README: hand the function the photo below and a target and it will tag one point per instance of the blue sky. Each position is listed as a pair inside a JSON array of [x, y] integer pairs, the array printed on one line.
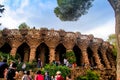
[[99, 20]]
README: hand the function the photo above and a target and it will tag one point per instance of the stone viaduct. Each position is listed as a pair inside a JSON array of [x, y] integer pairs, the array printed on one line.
[[51, 45]]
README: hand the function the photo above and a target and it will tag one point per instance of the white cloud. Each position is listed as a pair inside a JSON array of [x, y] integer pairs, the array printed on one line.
[[1, 1], [103, 30], [10, 19]]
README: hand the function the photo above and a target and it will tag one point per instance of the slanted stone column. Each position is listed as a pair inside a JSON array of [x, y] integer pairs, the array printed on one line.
[[83, 44], [103, 52], [111, 58], [32, 54], [85, 57], [96, 57], [52, 54], [13, 51]]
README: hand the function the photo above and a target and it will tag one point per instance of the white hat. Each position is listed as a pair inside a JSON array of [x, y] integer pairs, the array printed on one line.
[[58, 72]]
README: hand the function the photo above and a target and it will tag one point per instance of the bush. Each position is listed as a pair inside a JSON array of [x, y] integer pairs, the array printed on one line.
[[52, 69], [91, 75], [7, 56], [29, 66], [71, 57]]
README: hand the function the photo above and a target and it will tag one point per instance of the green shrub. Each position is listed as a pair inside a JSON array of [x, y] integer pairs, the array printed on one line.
[[91, 75], [52, 69], [29, 66], [71, 57], [7, 56]]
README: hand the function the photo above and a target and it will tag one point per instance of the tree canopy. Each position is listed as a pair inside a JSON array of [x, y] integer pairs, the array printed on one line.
[[23, 26], [112, 40], [71, 10]]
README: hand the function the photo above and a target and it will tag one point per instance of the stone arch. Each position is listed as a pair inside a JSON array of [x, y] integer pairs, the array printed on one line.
[[101, 58], [24, 52], [78, 55], [60, 52], [91, 57], [43, 52], [6, 48]]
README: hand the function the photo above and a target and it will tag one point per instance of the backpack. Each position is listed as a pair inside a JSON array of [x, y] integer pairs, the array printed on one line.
[[26, 77]]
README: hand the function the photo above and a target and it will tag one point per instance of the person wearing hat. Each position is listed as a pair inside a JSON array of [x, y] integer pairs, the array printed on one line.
[[59, 76]]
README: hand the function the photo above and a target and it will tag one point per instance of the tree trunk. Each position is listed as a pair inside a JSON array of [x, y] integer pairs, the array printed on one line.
[[117, 32], [116, 7]]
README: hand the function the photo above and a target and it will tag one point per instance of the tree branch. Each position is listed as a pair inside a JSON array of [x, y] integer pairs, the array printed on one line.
[[112, 3]]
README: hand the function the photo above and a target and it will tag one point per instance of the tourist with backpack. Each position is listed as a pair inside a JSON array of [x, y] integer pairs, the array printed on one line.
[[26, 76]]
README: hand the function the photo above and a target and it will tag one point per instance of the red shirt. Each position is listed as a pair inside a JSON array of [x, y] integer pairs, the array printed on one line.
[[39, 77], [59, 77]]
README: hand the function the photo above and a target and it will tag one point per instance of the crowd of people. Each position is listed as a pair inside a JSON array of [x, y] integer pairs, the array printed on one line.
[[9, 72]]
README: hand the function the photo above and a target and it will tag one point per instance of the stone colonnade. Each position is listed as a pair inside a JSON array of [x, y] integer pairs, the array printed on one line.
[[52, 38]]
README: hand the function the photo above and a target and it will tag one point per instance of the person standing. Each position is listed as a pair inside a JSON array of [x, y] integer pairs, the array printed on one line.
[[47, 76], [39, 63], [39, 76], [65, 61], [23, 66], [11, 72]]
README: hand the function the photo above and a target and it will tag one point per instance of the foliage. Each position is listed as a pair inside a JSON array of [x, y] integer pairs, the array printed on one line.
[[91, 75], [1, 9], [112, 40], [6, 56], [23, 26], [17, 56], [71, 57], [71, 10], [52, 69], [29, 66]]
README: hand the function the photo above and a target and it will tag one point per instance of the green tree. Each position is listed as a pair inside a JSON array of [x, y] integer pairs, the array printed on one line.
[[71, 57], [71, 10], [112, 40], [23, 26]]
